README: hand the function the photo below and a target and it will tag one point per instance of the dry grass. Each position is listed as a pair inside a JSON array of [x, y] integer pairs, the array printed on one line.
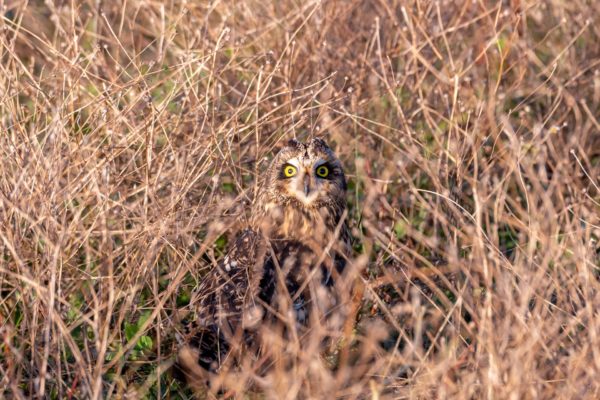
[[133, 133]]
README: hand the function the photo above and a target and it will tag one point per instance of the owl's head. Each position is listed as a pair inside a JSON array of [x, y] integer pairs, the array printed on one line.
[[308, 175]]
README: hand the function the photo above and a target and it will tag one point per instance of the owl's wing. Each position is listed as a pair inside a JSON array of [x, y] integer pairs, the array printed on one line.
[[230, 290], [226, 303]]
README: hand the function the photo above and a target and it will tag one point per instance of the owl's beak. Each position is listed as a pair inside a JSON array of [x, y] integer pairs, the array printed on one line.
[[306, 185]]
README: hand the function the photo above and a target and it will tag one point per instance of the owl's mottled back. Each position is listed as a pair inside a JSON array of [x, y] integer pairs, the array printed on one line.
[[289, 257]]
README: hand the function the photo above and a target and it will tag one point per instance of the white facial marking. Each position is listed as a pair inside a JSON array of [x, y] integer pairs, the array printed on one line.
[[305, 166], [318, 163], [295, 162]]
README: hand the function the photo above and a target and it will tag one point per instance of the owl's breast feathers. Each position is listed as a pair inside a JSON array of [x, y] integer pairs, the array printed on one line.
[[288, 219]]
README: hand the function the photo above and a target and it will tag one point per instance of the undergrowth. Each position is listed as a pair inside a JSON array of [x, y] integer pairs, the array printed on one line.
[[133, 135]]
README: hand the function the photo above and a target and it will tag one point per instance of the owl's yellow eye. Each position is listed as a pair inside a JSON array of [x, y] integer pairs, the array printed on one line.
[[289, 171], [323, 171]]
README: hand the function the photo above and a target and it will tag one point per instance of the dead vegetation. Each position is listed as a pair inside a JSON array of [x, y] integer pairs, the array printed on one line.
[[133, 133]]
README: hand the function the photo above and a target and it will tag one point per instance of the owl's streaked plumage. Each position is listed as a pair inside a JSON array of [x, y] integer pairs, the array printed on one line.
[[293, 250]]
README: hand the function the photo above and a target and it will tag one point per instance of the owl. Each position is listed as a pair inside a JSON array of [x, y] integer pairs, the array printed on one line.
[[285, 267]]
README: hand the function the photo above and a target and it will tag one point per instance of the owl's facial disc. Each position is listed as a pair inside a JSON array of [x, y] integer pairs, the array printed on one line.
[[308, 173], [303, 183]]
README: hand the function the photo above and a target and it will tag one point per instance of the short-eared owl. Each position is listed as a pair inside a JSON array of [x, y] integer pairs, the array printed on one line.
[[285, 265]]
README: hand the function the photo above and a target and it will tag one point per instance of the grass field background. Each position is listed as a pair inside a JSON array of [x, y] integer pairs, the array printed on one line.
[[133, 135]]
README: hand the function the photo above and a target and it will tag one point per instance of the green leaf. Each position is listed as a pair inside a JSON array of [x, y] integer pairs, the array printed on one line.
[[143, 318], [400, 229], [183, 299], [220, 243], [228, 187], [145, 343], [130, 330]]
